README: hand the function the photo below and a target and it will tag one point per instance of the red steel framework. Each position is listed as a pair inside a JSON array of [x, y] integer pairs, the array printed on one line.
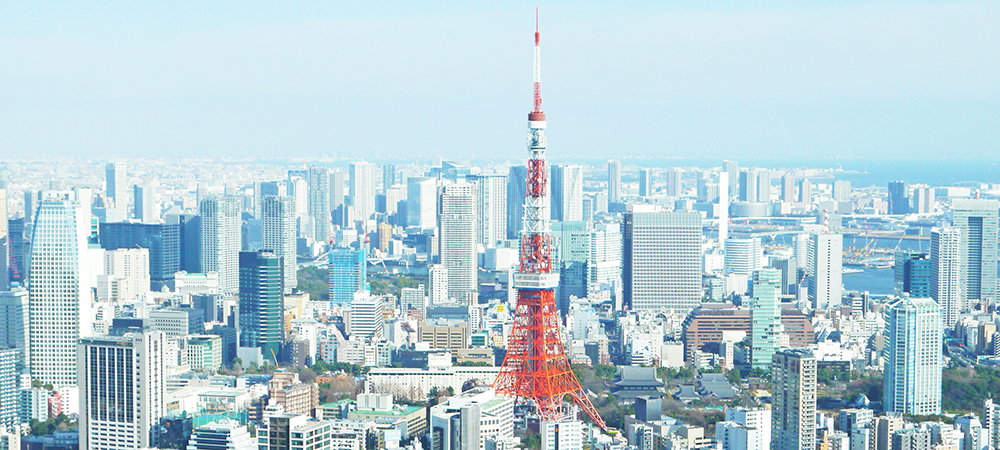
[[536, 368]]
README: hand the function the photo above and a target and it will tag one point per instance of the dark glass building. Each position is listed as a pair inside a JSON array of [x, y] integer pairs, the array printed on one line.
[[161, 239], [261, 302]]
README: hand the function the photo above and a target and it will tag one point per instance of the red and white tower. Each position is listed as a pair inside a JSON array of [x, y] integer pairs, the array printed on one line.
[[536, 368]]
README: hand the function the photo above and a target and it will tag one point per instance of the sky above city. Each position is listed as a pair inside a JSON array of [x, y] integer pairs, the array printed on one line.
[[627, 80]]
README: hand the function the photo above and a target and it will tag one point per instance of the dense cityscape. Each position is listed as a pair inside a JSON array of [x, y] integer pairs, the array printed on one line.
[[517, 302]]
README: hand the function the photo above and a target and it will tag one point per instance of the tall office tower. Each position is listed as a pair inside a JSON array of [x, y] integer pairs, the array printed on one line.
[[662, 261], [437, 284], [298, 188], [788, 188], [923, 200], [262, 304], [188, 229], [348, 269], [396, 194], [122, 388], [912, 352], [320, 216], [491, 206], [336, 189], [388, 175], [743, 256], [17, 249], [841, 191], [723, 212], [279, 235], [645, 182], [604, 260], [825, 270], [947, 259], [899, 197], [366, 319], [763, 188], [421, 202], [977, 220], [912, 274], [221, 237], [765, 312], [675, 182], [732, 170], [14, 325], [748, 185], [125, 276], [163, 240], [458, 238], [116, 187], [805, 192], [146, 208], [614, 181], [793, 400], [362, 192], [226, 434], [5, 244], [517, 183], [10, 392], [567, 193], [59, 305], [801, 248]]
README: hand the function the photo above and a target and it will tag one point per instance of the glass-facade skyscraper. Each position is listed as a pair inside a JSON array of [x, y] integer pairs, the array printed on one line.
[[162, 240], [262, 309], [977, 219], [347, 274]]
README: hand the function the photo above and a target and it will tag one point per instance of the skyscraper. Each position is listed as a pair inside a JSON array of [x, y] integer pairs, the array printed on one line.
[[755, 185], [59, 293], [146, 208], [279, 235], [732, 170], [766, 317], [674, 182], [14, 324], [517, 183], [320, 215], [923, 200], [491, 199], [116, 188], [841, 191], [805, 192], [793, 400], [743, 256], [336, 190], [912, 351], [362, 192], [977, 219], [162, 240], [221, 236], [947, 259], [122, 388], [604, 260], [437, 284], [366, 320], [645, 182], [421, 202], [262, 311], [899, 198], [912, 274], [825, 269], [788, 188], [567, 193], [458, 238], [662, 261], [348, 269], [10, 374], [614, 181]]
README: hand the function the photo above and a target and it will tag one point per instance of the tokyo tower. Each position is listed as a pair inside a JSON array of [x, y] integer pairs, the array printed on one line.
[[536, 368]]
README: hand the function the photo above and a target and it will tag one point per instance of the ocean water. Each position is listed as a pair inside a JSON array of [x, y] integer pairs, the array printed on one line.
[[875, 281]]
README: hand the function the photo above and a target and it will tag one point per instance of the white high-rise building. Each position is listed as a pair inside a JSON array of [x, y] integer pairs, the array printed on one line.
[[279, 235], [126, 275], [662, 261], [116, 187], [743, 256], [977, 218], [674, 182], [145, 206], [604, 259], [362, 192], [468, 420], [421, 202], [221, 240], [491, 220], [320, 217], [122, 387], [60, 289], [825, 270], [745, 429], [567, 193], [562, 435], [14, 325], [912, 375], [614, 181], [367, 320], [793, 400], [458, 238], [437, 284], [946, 273]]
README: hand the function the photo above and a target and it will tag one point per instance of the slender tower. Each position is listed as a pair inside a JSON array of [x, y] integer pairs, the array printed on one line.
[[536, 368]]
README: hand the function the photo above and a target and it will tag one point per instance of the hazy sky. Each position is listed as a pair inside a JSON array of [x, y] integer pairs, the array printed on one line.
[[795, 79]]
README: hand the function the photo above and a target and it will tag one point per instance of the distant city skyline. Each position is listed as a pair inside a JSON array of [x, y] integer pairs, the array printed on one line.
[[777, 80]]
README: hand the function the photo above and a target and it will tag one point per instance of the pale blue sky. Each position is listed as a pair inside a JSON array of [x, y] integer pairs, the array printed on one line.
[[789, 79]]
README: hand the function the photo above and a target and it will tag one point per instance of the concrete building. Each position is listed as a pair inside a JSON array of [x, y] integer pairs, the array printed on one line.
[[421, 202], [517, 185], [458, 238], [947, 260], [125, 277], [977, 221], [294, 396], [491, 209], [662, 261], [416, 383], [204, 352], [745, 429], [469, 420], [743, 256], [645, 182], [366, 321], [226, 434], [567, 193], [824, 274], [278, 216], [10, 380], [283, 431], [116, 188], [841, 191], [912, 374], [614, 181], [793, 400], [562, 435], [705, 327], [437, 285], [318, 206], [164, 241], [362, 191], [221, 240], [147, 210], [14, 324]]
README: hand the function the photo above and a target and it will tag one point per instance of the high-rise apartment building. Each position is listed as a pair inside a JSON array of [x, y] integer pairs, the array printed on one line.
[[320, 215], [765, 314], [923, 200], [262, 312], [122, 388], [10, 383], [421, 202], [946, 285], [755, 185], [567, 193], [116, 187], [675, 182], [614, 181], [805, 192], [221, 239], [977, 219], [279, 235], [788, 188], [125, 276], [14, 325], [458, 238], [491, 206], [793, 400], [60, 289], [732, 171], [362, 192], [337, 183], [825, 270], [912, 352], [437, 284], [899, 197], [662, 261], [348, 269], [645, 182], [841, 191], [517, 185]]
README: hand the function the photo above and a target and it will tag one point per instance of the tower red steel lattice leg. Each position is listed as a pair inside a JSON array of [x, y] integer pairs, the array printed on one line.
[[536, 368]]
